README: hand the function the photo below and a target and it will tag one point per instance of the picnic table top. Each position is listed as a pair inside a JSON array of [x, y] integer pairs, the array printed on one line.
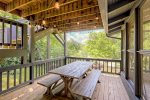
[[73, 70]]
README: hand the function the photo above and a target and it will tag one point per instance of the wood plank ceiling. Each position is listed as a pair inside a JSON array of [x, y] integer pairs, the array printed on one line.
[[114, 13], [71, 15]]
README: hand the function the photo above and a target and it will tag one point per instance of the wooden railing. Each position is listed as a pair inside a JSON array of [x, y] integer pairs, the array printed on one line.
[[14, 76], [105, 65]]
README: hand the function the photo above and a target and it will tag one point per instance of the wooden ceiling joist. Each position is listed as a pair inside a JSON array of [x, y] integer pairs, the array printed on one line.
[[114, 30], [76, 25], [70, 12], [119, 18], [51, 15], [42, 7], [82, 28], [118, 5], [116, 25], [75, 21], [72, 17], [16, 4]]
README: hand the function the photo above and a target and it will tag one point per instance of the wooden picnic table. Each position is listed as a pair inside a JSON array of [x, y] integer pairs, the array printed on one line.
[[72, 71]]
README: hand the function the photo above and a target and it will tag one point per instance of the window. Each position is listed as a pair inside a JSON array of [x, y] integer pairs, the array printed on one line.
[[130, 37], [145, 37]]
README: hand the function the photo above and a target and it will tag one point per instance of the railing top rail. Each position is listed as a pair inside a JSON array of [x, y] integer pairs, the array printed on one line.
[[13, 67], [12, 21], [118, 60]]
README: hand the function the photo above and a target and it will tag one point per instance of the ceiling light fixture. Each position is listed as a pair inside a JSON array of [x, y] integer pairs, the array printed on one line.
[[43, 22], [57, 5], [96, 18]]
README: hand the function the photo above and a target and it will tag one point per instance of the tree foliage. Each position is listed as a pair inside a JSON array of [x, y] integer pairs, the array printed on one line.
[[97, 46]]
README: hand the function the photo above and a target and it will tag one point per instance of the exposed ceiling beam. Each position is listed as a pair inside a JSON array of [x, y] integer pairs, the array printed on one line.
[[89, 20], [82, 28], [115, 25], [114, 30], [63, 18], [51, 15], [119, 5], [59, 39], [119, 18], [15, 4], [75, 25], [42, 7]]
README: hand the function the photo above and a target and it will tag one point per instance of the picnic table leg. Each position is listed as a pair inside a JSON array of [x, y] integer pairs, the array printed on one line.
[[66, 82]]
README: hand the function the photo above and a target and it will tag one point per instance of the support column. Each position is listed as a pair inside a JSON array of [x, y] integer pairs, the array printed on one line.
[[122, 59], [24, 44], [31, 54], [48, 46], [65, 49], [137, 55], [126, 52]]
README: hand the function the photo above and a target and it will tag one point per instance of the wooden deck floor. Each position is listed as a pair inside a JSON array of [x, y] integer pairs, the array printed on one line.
[[110, 88]]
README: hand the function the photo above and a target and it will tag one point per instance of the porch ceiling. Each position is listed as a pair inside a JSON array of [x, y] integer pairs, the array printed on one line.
[[71, 16], [114, 13]]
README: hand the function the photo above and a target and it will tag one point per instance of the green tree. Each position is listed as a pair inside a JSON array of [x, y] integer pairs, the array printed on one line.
[[100, 46]]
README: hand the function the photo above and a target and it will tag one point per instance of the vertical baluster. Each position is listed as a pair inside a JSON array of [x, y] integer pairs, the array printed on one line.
[[3, 31], [39, 69], [36, 71], [99, 65], [7, 79], [115, 67], [14, 77], [10, 33], [20, 74], [103, 66], [107, 66], [44, 69], [52, 64], [25, 74], [17, 36], [111, 66]]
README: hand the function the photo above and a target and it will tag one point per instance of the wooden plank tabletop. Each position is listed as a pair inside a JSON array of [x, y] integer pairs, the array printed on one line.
[[73, 70]]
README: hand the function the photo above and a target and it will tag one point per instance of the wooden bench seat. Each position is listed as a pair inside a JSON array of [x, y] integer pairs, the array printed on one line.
[[51, 82], [86, 87]]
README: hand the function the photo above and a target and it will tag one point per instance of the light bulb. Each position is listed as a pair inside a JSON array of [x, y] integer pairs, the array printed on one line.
[[57, 5], [43, 22], [96, 18]]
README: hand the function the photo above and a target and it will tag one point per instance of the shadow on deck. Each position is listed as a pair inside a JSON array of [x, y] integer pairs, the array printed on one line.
[[110, 88]]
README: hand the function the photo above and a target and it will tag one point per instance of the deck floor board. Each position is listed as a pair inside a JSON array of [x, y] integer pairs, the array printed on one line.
[[110, 88]]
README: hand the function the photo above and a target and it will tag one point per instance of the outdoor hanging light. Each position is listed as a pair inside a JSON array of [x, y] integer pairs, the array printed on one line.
[[96, 18], [57, 5], [43, 22]]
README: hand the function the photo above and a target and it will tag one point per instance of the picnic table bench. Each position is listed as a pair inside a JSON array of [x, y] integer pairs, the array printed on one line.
[[85, 88], [51, 82]]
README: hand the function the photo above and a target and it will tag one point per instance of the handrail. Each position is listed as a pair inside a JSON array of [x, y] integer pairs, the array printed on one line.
[[105, 65], [95, 59], [22, 72]]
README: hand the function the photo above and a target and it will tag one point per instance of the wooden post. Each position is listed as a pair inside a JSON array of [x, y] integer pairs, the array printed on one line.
[[65, 51], [48, 46], [122, 59], [126, 52], [31, 54], [24, 43], [137, 55]]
